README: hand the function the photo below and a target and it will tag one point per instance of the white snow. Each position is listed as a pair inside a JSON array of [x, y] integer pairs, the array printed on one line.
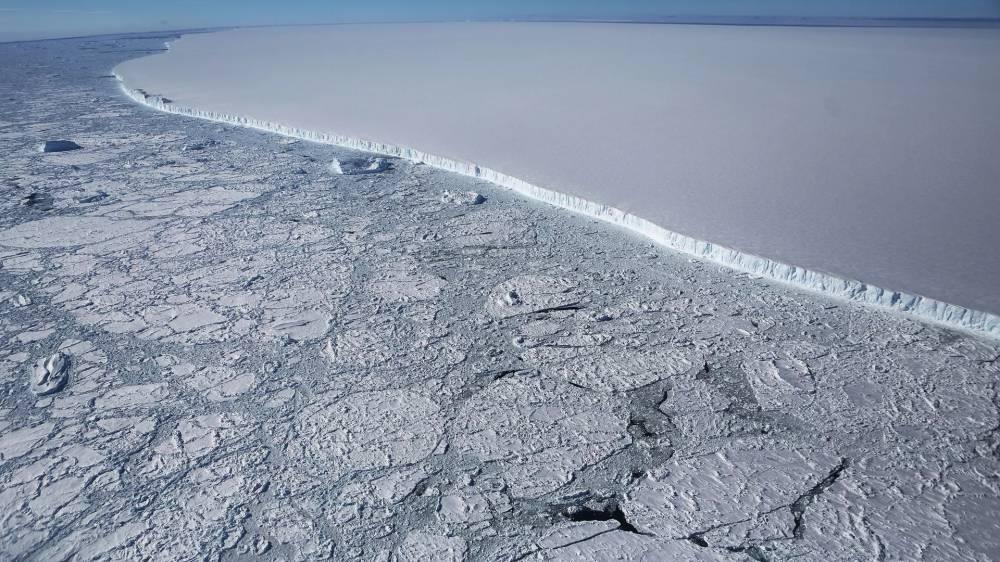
[[850, 153]]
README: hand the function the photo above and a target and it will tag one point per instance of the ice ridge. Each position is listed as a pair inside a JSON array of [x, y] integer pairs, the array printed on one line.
[[924, 308]]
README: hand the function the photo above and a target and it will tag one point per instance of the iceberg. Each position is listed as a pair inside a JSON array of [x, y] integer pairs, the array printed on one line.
[[899, 203]]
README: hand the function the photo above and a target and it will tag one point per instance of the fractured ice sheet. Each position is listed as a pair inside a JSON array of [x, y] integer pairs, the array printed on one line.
[[541, 430], [784, 383], [731, 488], [369, 430], [421, 546], [57, 232], [613, 368], [219, 384]]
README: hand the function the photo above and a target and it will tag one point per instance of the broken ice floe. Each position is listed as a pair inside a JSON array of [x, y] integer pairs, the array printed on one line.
[[58, 146], [216, 383], [785, 383], [530, 294], [418, 547], [404, 283], [369, 430], [359, 166], [303, 326], [540, 430], [621, 370], [198, 145], [49, 375], [697, 498], [132, 396], [90, 197], [462, 198], [69, 231]]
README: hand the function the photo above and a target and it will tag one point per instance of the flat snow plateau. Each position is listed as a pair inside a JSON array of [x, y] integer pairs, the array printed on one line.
[[869, 154], [218, 343]]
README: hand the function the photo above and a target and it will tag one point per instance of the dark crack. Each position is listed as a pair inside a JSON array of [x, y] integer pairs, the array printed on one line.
[[563, 308], [797, 507], [697, 539], [752, 552], [506, 373], [803, 502], [610, 511], [637, 428]]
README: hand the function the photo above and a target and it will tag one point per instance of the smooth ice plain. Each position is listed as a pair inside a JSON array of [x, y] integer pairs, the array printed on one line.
[[867, 154], [218, 343]]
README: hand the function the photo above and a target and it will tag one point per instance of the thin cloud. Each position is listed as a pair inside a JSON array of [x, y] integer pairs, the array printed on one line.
[[81, 12]]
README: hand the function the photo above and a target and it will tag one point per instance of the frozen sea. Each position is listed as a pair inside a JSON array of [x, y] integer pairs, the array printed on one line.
[[868, 154], [218, 343]]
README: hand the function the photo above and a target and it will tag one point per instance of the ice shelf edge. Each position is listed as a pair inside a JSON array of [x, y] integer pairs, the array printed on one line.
[[922, 308]]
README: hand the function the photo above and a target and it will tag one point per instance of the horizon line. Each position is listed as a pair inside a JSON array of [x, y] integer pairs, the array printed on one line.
[[902, 22]]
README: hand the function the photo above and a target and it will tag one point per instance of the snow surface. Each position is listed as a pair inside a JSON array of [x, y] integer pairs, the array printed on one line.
[[865, 153]]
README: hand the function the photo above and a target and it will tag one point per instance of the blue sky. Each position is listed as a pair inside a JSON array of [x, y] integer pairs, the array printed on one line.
[[49, 18]]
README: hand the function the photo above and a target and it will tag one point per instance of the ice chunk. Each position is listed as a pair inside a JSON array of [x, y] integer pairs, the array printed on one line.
[[91, 197], [358, 166], [785, 383], [199, 145], [49, 376], [462, 198], [58, 146]]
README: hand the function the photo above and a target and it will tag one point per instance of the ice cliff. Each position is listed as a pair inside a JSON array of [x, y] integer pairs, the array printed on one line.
[[924, 308]]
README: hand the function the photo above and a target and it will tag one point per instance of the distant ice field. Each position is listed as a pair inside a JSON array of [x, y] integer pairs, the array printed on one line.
[[868, 154]]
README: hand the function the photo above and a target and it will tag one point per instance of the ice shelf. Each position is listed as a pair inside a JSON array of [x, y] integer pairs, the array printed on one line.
[[633, 213]]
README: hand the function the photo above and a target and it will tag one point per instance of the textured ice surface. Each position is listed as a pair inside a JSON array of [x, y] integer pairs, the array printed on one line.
[[856, 152], [267, 360]]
